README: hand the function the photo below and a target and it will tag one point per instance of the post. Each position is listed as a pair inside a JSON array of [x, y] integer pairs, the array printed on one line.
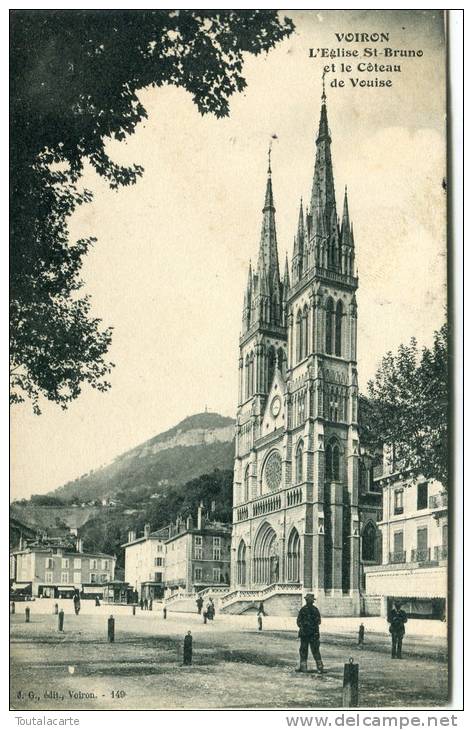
[[27, 615], [350, 685], [60, 620], [260, 623], [111, 629], [165, 611], [56, 609], [134, 610], [13, 607]]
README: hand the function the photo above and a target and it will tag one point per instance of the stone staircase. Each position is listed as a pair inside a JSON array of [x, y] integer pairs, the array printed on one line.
[[279, 600]]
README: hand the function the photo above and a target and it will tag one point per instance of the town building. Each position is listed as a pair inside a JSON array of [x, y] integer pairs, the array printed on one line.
[[296, 517], [414, 531], [197, 557], [144, 562], [56, 571]]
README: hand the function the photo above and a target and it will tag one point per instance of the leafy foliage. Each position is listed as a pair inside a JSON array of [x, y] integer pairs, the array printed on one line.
[[408, 406], [107, 531], [75, 75]]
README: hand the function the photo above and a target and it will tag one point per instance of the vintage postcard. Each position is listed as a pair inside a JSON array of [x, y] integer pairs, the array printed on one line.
[[230, 332]]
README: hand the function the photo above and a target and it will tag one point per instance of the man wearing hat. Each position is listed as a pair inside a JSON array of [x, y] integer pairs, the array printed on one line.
[[308, 621], [396, 620]]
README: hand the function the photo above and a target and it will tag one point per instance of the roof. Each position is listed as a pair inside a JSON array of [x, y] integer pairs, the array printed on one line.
[[69, 553]]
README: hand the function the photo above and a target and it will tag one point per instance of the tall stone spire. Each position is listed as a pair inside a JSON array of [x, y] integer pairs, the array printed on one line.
[[268, 250], [346, 229], [322, 203]]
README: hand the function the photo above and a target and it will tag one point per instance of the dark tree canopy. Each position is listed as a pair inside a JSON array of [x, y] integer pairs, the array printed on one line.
[[408, 407], [75, 75]]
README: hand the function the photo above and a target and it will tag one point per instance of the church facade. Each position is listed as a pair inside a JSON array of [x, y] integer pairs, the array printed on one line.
[[296, 519]]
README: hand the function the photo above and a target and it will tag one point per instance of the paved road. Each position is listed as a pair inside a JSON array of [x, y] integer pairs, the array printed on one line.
[[234, 664]]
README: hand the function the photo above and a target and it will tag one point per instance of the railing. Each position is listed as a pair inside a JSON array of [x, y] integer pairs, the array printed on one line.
[[293, 497], [178, 596], [438, 501], [397, 557], [441, 552], [213, 591], [420, 555], [268, 504], [242, 514], [260, 594]]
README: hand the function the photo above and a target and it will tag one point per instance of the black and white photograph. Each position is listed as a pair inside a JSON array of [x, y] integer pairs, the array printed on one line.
[[231, 370]]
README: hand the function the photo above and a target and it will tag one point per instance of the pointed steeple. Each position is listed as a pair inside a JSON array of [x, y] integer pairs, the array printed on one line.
[[322, 203], [345, 229], [286, 280], [268, 250]]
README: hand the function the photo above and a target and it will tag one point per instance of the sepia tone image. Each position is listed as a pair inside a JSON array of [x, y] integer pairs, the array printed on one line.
[[229, 359]]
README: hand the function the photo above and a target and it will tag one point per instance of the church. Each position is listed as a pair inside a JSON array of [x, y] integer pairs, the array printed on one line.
[[296, 516]]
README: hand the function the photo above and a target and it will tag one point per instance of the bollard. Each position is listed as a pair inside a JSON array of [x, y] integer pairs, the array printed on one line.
[[205, 617], [56, 609], [134, 610], [165, 611], [111, 629], [350, 685], [27, 615], [188, 650], [260, 623], [60, 620], [13, 607]]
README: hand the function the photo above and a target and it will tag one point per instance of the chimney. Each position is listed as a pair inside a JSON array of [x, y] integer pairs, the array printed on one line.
[[131, 535], [79, 544], [199, 516], [147, 530], [189, 522]]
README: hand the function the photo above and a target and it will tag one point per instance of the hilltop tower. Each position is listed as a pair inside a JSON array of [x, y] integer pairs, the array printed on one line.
[[295, 517]]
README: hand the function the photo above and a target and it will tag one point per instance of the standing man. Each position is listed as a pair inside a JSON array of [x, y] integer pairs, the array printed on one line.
[[308, 622], [396, 620], [200, 603], [76, 601]]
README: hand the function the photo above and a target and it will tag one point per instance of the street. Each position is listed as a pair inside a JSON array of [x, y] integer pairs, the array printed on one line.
[[234, 665]]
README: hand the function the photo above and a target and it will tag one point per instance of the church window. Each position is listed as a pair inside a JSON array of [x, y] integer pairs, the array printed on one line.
[[332, 462], [271, 365], [329, 327], [368, 543], [299, 336], [246, 485], [273, 471], [247, 377], [338, 328], [251, 374], [282, 361], [304, 333], [299, 457]]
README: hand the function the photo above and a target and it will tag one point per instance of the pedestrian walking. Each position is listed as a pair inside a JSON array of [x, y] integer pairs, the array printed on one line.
[[397, 619], [200, 603], [97, 601], [261, 609], [141, 604], [308, 621], [150, 604], [146, 604]]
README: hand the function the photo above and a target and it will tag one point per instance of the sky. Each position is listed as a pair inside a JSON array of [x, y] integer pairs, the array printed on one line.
[[170, 265]]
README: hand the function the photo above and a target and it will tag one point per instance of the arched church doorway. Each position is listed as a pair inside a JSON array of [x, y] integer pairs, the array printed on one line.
[[241, 564], [266, 560], [294, 557]]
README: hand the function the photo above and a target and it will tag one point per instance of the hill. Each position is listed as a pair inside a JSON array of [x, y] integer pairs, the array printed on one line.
[[197, 445]]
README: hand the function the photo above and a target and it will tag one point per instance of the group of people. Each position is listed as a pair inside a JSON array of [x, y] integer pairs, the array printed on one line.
[[309, 620], [209, 612], [146, 605]]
